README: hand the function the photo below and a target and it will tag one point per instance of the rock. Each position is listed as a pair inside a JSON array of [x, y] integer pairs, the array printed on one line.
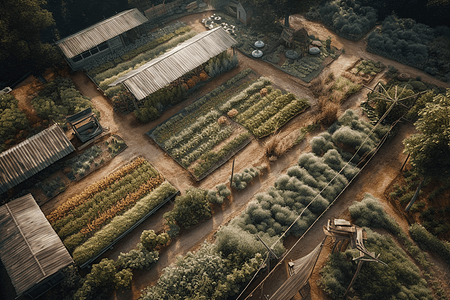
[[316, 43]]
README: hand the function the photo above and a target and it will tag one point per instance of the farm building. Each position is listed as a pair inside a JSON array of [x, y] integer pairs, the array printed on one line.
[[32, 155], [241, 13], [30, 250], [173, 64], [100, 39]]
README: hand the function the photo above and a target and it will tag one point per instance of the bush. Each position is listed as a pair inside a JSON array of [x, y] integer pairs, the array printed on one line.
[[348, 19], [428, 241], [370, 213], [122, 279], [137, 259], [190, 209], [148, 239], [400, 280]]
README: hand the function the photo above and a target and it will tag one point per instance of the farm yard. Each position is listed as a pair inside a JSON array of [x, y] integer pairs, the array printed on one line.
[[123, 181]]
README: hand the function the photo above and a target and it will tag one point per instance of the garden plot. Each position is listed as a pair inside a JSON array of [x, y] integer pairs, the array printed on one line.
[[366, 69], [90, 221], [199, 137], [262, 109]]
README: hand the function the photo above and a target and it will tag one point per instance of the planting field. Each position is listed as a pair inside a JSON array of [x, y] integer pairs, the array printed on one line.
[[262, 109], [202, 137], [90, 221], [199, 137]]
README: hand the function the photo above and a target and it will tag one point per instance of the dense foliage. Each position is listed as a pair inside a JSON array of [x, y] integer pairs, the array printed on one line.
[[190, 208], [25, 36], [137, 259], [204, 274], [12, 119], [429, 149], [413, 44], [428, 241], [401, 279], [59, 99], [349, 19]]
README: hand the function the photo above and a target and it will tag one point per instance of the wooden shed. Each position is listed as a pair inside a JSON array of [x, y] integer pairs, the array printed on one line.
[[173, 64], [30, 249], [33, 155], [99, 39]]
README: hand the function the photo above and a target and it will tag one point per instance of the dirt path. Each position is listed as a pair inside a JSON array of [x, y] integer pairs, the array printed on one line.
[[373, 179]]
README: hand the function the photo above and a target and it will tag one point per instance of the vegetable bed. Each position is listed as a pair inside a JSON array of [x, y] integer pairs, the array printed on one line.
[[88, 221], [262, 110], [199, 138]]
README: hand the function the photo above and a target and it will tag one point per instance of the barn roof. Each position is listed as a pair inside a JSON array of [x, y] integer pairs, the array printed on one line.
[[32, 155], [173, 64], [98, 33], [29, 247]]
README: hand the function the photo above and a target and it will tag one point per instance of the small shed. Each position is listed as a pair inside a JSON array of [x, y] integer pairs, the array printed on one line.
[[33, 155], [99, 39], [240, 12], [173, 64], [290, 35], [85, 125], [30, 250]]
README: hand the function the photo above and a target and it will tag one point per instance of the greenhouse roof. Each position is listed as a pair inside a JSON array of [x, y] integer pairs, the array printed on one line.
[[30, 249], [32, 155], [173, 64], [98, 33]]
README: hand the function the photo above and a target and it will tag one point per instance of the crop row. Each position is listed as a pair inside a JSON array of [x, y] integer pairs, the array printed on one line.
[[208, 145], [187, 133], [211, 158], [245, 94], [119, 224], [123, 204], [249, 109], [282, 117], [79, 199], [262, 116], [101, 201], [201, 137]]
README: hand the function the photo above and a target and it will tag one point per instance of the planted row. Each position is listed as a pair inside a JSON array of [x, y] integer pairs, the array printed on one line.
[[122, 223], [65, 208]]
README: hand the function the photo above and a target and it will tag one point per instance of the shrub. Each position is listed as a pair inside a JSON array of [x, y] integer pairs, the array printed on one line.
[[429, 242], [223, 120], [263, 92], [137, 259], [348, 19], [148, 239], [401, 280], [190, 208], [370, 213], [122, 279]]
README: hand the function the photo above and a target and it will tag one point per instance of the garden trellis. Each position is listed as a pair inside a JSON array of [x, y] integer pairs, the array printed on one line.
[[170, 66]]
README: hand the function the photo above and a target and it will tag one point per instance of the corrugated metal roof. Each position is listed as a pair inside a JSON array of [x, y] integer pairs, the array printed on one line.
[[170, 66], [32, 155], [29, 247], [98, 33]]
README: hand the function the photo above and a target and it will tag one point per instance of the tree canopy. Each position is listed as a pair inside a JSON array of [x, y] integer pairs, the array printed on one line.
[[22, 26], [429, 149]]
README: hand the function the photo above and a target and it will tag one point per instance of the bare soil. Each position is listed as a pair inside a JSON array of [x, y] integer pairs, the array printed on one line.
[[374, 179]]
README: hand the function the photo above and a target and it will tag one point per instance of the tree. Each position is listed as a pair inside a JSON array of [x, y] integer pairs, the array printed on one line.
[[429, 149], [21, 27]]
